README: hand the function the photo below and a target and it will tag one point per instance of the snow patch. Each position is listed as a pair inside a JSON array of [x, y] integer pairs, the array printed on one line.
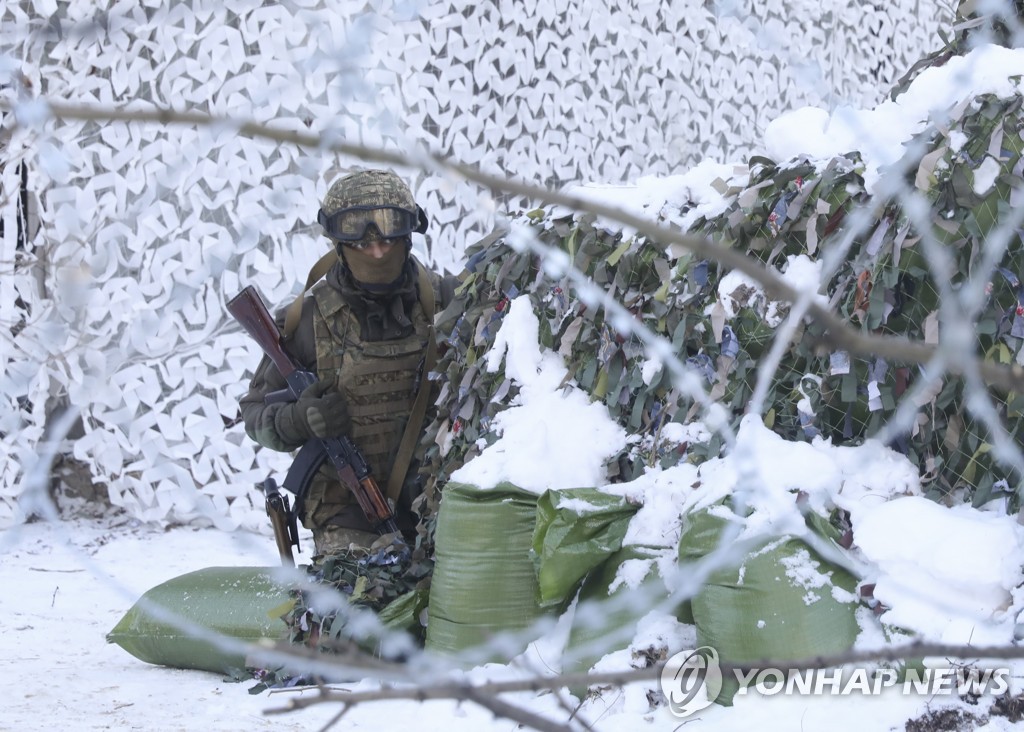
[[554, 438]]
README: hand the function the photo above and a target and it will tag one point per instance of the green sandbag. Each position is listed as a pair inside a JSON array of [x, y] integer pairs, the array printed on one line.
[[576, 531], [484, 580], [404, 612], [603, 621], [243, 603], [783, 601]]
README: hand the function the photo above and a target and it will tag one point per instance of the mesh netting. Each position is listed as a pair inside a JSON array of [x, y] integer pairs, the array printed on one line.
[[788, 217], [121, 241]]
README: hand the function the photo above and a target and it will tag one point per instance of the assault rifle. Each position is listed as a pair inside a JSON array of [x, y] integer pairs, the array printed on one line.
[[248, 308]]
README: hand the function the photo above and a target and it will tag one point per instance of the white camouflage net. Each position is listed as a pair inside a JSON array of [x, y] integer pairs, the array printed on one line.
[[117, 262]]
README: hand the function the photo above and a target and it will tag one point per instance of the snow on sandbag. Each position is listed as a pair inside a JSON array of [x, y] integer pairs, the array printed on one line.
[[577, 530], [926, 568], [484, 581], [195, 621], [782, 601], [613, 599], [613, 543]]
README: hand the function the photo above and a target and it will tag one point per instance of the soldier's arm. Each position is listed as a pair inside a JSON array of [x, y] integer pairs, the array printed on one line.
[[269, 424]]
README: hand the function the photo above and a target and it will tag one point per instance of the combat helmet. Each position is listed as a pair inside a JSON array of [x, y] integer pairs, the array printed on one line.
[[370, 198], [368, 201], [369, 188]]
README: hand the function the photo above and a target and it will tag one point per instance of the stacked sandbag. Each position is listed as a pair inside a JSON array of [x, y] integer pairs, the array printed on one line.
[[580, 555], [578, 541], [484, 583], [577, 530], [781, 600], [198, 620], [613, 598]]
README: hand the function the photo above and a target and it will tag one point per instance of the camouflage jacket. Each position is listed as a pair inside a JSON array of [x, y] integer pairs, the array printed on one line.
[[373, 349]]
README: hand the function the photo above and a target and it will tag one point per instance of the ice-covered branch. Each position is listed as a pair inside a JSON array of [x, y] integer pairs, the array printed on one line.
[[837, 334], [467, 691]]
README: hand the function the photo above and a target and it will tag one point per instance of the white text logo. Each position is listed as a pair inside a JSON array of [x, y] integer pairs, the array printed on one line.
[[691, 680]]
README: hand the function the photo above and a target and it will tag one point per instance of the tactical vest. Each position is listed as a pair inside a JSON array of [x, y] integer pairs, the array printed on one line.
[[378, 379]]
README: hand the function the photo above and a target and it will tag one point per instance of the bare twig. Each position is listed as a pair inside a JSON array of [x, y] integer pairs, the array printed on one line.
[[468, 691], [837, 333], [504, 709]]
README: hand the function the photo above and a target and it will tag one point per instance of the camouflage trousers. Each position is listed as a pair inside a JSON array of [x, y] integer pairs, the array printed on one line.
[[331, 540]]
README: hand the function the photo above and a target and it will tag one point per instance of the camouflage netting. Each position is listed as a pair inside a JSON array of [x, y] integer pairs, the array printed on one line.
[[602, 362], [969, 171], [328, 614], [883, 286], [973, 23]]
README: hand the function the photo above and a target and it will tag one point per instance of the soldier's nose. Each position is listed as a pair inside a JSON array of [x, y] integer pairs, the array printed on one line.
[[378, 248]]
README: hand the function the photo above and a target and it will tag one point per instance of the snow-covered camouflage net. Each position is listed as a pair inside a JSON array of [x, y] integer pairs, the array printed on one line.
[[129, 237]]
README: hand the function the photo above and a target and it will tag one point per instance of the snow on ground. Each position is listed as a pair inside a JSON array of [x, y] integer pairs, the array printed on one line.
[[67, 583]]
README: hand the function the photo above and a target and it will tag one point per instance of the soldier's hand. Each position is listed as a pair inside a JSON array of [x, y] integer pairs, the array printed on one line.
[[321, 411], [326, 411]]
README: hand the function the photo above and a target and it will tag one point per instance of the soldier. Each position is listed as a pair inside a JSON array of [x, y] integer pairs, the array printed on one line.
[[363, 330]]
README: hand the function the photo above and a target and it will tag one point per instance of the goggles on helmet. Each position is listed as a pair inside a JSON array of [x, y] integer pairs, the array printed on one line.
[[391, 222]]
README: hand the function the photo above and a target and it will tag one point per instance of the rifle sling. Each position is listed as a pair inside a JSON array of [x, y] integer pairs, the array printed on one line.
[[410, 437]]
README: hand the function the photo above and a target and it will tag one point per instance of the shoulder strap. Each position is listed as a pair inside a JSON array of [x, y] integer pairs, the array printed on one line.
[[291, 320], [427, 300], [406, 448]]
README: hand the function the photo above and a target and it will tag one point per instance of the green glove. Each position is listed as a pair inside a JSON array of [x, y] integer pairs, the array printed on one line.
[[320, 411]]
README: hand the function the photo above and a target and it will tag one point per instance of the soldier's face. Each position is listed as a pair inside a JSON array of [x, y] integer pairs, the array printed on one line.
[[375, 259], [377, 247]]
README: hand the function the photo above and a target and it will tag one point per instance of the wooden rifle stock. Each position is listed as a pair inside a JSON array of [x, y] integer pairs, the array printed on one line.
[[248, 308]]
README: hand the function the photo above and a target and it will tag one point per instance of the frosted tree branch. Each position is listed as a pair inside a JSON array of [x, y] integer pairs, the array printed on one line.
[[465, 691], [837, 335]]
